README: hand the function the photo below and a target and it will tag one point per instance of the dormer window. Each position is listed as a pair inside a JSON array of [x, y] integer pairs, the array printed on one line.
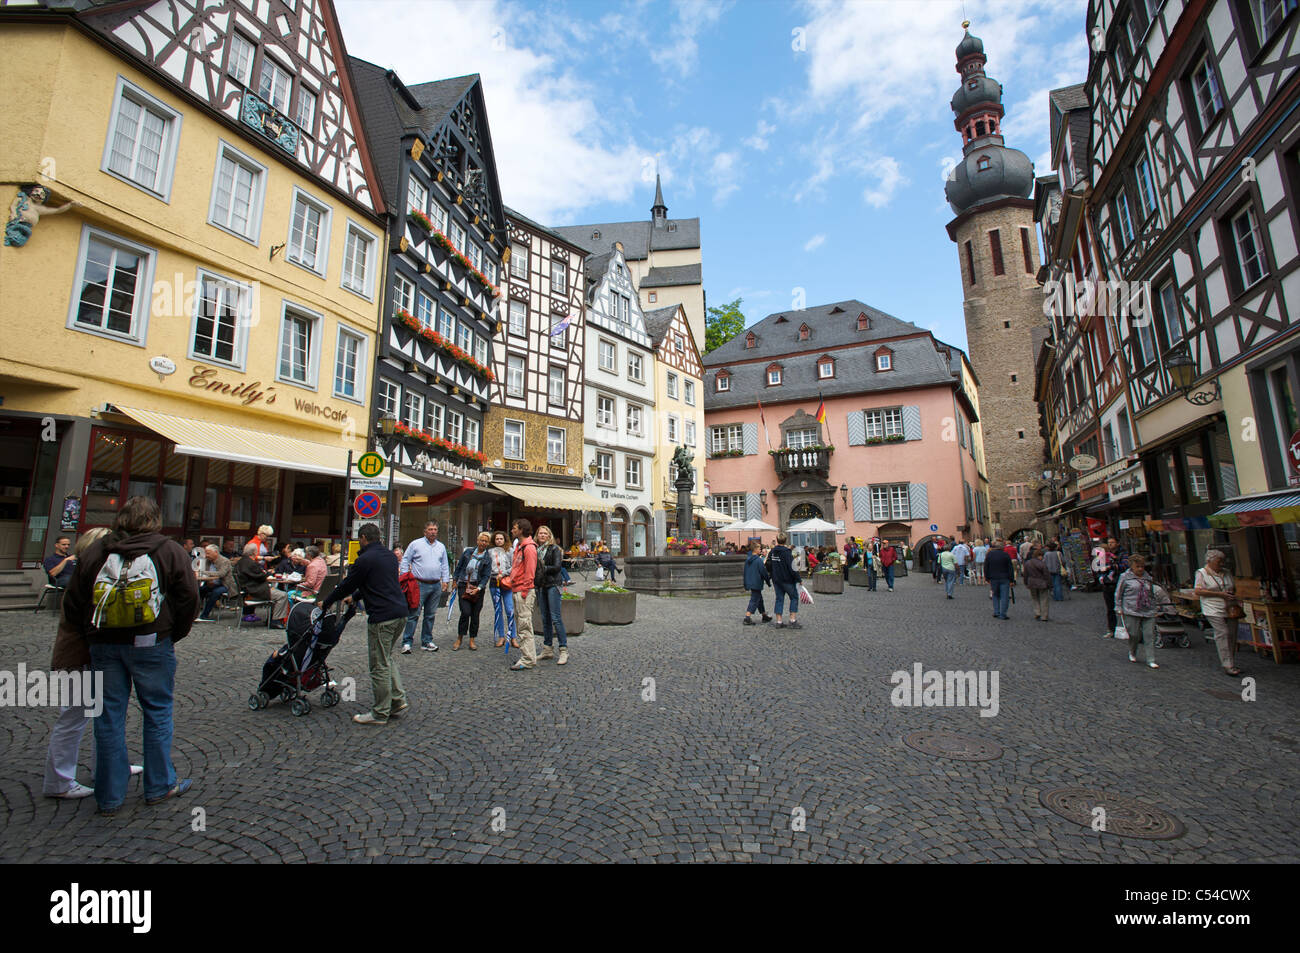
[[884, 359], [751, 339], [804, 332], [595, 234], [825, 367], [672, 226], [722, 382], [982, 163], [773, 375], [864, 323]]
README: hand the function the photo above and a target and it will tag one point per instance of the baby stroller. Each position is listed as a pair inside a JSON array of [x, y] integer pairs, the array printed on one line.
[[298, 667], [1169, 624]]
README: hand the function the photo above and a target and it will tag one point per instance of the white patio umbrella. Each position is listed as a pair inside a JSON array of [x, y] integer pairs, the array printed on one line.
[[814, 525], [747, 526]]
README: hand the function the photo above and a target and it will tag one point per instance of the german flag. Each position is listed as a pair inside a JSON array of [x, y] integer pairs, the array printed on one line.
[[821, 408]]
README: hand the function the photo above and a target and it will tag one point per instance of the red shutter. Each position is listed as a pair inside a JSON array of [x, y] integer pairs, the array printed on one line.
[[995, 244]]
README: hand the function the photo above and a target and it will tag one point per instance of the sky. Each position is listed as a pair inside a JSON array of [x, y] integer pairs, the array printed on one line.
[[811, 139]]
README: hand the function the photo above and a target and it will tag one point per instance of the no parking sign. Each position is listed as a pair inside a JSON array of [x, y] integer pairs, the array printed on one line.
[[367, 505]]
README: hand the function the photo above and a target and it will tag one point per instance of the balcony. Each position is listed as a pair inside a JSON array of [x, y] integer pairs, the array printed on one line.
[[805, 460]]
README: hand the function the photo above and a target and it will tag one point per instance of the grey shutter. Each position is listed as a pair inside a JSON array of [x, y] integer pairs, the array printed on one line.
[[753, 505], [862, 504], [857, 429], [961, 430], [919, 496], [965, 489], [749, 438], [1228, 480], [911, 423]]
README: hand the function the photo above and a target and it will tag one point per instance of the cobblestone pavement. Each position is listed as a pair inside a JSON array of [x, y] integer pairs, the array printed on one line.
[[749, 727]]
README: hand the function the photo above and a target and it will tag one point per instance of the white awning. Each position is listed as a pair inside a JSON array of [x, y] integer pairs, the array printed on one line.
[[553, 497]]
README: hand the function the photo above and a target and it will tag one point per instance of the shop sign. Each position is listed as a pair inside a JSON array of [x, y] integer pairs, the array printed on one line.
[[1293, 454], [247, 392], [1130, 482], [162, 365], [611, 495], [460, 471]]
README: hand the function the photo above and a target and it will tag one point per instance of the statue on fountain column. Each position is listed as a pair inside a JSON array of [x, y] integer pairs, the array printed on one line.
[[682, 460]]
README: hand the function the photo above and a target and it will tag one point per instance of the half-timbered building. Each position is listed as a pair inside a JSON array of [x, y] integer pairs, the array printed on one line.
[[679, 388], [1196, 197], [433, 375]]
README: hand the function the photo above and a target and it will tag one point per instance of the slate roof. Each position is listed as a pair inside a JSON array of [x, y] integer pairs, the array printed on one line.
[[638, 238], [673, 275], [830, 328], [595, 267], [658, 321], [535, 226], [1071, 102]]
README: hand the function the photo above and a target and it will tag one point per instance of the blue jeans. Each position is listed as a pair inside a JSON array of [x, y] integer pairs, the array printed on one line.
[[949, 580], [152, 670], [503, 612], [756, 602], [1001, 596], [889, 575], [786, 590], [1058, 587], [213, 593], [548, 602], [871, 577], [430, 596]]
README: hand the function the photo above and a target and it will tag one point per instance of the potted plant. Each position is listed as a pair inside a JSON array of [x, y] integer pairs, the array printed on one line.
[[608, 604], [572, 614], [895, 438], [828, 580], [685, 547]]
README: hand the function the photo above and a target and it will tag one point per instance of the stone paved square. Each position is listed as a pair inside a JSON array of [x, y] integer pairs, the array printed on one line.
[[749, 729]]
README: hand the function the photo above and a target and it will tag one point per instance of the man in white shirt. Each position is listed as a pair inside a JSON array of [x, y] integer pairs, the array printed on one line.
[[426, 559], [961, 554]]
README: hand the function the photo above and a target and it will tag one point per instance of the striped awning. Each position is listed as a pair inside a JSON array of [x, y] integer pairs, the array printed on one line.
[[1262, 509], [553, 497], [202, 438], [1056, 508]]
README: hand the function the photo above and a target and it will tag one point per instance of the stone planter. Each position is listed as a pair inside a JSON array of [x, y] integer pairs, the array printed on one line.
[[572, 615], [900, 569], [611, 608], [858, 577], [828, 582], [693, 554]]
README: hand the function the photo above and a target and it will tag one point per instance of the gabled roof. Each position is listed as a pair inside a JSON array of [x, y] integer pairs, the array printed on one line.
[[542, 229], [595, 267], [830, 329], [638, 238], [672, 275], [1070, 104], [658, 321]]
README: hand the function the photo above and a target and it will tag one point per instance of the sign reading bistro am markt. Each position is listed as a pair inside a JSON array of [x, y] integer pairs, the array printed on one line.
[[252, 392]]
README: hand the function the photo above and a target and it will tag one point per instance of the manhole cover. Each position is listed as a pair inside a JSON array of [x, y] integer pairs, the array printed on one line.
[[946, 744], [1124, 816], [1226, 696]]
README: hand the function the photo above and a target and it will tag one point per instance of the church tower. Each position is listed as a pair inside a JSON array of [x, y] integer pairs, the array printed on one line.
[[997, 251]]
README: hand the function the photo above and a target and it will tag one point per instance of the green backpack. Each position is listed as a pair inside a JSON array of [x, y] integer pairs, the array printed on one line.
[[127, 594]]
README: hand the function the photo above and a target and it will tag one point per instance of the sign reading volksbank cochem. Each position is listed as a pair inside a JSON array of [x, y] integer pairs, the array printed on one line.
[[446, 468], [1130, 482]]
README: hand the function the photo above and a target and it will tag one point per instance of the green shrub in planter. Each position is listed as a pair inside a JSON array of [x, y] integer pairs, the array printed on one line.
[[571, 614], [828, 580], [610, 605]]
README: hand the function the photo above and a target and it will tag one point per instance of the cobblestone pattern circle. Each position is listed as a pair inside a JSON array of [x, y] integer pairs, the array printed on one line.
[[1125, 817], [947, 744]]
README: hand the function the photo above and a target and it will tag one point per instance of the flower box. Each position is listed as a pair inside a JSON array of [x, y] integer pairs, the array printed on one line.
[[726, 453], [572, 614], [454, 351], [610, 606], [831, 582], [446, 446], [858, 577], [420, 219], [895, 438]]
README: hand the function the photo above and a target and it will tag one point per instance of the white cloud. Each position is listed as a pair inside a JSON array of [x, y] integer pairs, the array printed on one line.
[[679, 52], [817, 241], [887, 178], [759, 140]]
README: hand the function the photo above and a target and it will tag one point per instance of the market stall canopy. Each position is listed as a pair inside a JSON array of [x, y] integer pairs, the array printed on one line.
[[748, 526], [713, 516], [202, 438], [553, 497], [814, 525], [1261, 509]]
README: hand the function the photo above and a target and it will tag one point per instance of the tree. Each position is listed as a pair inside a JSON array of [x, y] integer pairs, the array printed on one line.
[[722, 324]]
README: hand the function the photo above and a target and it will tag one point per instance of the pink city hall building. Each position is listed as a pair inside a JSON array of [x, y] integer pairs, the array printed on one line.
[[900, 449]]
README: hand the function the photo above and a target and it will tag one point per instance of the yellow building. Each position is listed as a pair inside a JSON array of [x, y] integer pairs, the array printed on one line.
[[199, 327], [679, 413]]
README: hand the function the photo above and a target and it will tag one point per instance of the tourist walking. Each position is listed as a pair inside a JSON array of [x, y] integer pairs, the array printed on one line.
[[426, 559], [947, 563], [1038, 579], [503, 603], [522, 580], [852, 555], [936, 568], [1109, 565], [1137, 599], [961, 554], [374, 578], [473, 571], [135, 560], [1217, 589], [1056, 569], [1000, 572], [550, 596], [756, 577], [981, 552], [888, 556], [785, 580]]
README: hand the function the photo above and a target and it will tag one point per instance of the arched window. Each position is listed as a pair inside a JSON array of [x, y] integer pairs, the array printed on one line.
[[750, 339], [804, 332], [641, 533]]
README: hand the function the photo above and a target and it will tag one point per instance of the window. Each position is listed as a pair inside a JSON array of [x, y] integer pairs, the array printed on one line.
[[387, 398], [672, 386], [884, 423], [309, 234], [404, 295], [1024, 247], [1125, 434], [732, 504], [475, 255], [514, 376], [1146, 185], [239, 63], [274, 85], [1123, 219], [358, 255], [633, 472], [559, 330], [465, 337], [624, 304], [1109, 449], [826, 368], [608, 355], [689, 438], [864, 323], [555, 453], [634, 420], [722, 382], [428, 311], [413, 409], [773, 376], [1269, 15], [471, 433], [457, 235], [884, 361], [750, 340], [689, 392], [605, 412], [672, 428], [604, 467], [481, 350], [798, 439], [680, 342], [417, 196], [654, 297], [559, 277], [454, 422], [221, 321], [635, 371], [306, 115], [446, 324], [970, 265], [142, 135], [518, 260], [439, 216], [433, 418], [995, 246], [110, 294], [1251, 266], [1167, 299], [890, 502], [804, 332], [490, 270], [1018, 494], [726, 438], [298, 346], [237, 190], [1144, 351], [513, 442], [518, 317], [1205, 91], [555, 386]]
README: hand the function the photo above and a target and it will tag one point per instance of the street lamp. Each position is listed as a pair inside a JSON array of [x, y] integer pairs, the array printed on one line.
[[592, 468], [844, 494], [388, 425], [1182, 373], [762, 498]]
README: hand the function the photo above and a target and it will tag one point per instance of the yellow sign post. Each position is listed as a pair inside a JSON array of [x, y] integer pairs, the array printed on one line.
[[370, 464]]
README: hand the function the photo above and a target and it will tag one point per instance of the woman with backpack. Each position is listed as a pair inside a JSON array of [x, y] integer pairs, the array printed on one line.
[[785, 580], [132, 597], [503, 603], [472, 574], [1138, 599], [550, 563]]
